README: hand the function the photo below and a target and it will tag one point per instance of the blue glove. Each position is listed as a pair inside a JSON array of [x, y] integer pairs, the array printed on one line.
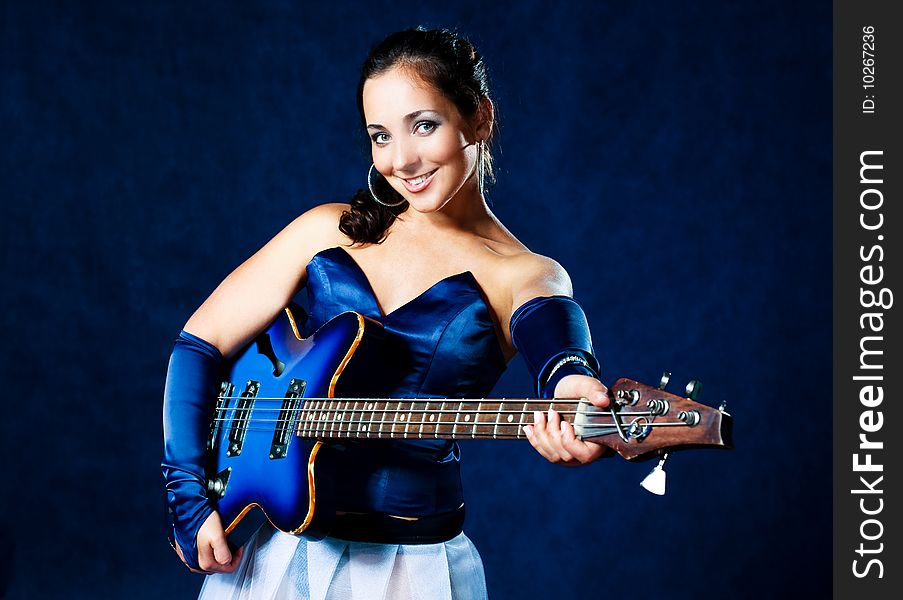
[[192, 385], [552, 334]]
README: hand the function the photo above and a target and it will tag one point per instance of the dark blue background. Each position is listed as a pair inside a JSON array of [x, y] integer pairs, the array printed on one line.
[[674, 157]]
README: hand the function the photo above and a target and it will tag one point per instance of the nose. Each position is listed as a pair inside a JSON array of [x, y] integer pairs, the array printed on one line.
[[405, 158]]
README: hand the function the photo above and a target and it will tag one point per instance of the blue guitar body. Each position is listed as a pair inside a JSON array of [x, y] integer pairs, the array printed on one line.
[[258, 468]]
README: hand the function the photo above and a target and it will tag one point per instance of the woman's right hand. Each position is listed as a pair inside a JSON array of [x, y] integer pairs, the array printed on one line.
[[214, 555]]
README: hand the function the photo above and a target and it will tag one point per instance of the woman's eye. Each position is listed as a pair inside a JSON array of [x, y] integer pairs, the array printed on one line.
[[425, 126], [379, 138]]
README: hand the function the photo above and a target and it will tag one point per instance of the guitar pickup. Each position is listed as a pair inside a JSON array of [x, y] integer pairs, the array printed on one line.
[[288, 416], [219, 415], [239, 428]]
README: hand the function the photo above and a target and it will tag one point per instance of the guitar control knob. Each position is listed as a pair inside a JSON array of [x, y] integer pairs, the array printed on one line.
[[216, 487]]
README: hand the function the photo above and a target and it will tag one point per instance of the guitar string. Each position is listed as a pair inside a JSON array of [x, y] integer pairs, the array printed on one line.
[[353, 415], [374, 400], [351, 419], [402, 421], [441, 436], [471, 424], [357, 428], [383, 413], [643, 413], [318, 425], [357, 433]]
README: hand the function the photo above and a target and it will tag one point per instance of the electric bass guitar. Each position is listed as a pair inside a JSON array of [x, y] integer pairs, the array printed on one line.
[[285, 398]]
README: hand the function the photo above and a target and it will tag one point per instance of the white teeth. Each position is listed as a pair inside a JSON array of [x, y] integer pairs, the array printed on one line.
[[419, 180]]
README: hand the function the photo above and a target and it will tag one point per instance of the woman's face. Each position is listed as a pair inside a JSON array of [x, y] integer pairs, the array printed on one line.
[[420, 142]]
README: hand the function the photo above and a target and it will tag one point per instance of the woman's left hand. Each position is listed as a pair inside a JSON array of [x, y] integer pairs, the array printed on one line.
[[554, 438]]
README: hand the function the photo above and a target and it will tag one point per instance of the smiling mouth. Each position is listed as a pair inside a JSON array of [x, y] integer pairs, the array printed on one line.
[[415, 184]]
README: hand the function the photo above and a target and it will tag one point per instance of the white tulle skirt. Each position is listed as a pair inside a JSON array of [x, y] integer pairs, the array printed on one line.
[[278, 566]]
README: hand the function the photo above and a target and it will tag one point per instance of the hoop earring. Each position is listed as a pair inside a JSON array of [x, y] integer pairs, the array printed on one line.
[[373, 192], [481, 166]]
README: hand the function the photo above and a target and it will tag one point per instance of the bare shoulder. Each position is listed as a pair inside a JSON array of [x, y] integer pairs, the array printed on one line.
[[519, 275], [318, 228], [255, 291], [529, 275]]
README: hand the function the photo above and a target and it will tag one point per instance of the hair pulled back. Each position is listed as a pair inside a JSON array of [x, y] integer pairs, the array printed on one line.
[[449, 63]]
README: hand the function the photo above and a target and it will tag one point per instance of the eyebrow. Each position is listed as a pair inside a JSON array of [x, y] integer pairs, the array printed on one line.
[[408, 117]]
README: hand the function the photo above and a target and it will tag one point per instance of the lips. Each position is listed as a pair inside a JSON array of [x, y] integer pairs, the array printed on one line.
[[419, 183]]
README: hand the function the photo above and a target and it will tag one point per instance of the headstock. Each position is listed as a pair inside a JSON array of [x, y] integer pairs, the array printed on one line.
[[645, 421]]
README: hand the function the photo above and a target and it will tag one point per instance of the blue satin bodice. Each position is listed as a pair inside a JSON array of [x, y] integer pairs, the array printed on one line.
[[441, 344]]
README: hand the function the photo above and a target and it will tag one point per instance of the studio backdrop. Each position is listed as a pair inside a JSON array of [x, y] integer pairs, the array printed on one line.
[[673, 157]]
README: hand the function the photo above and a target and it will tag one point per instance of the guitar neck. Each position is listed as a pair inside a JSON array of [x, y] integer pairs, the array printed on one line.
[[444, 419]]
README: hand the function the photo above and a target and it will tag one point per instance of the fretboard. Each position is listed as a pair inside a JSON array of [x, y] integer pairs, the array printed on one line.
[[448, 418]]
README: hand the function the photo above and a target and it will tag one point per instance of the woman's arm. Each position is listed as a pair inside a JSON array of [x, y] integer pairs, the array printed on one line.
[[240, 307], [254, 293], [534, 276]]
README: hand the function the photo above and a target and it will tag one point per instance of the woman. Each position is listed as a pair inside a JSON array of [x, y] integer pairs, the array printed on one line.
[[420, 251]]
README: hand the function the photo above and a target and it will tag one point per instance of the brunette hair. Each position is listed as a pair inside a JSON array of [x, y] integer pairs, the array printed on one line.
[[449, 63]]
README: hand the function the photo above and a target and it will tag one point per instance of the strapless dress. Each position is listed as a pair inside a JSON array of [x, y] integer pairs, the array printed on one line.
[[441, 344]]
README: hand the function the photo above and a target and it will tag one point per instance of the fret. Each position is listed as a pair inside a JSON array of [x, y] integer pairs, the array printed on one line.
[[316, 424], [332, 421], [321, 418], [520, 426], [324, 423], [426, 410], [356, 423], [310, 415], [457, 418], [487, 415], [476, 420], [315, 416], [312, 425], [498, 415], [439, 417], [341, 419], [407, 421], [337, 421], [365, 426], [359, 421], [312, 419], [509, 423], [324, 420], [350, 418], [395, 420], [372, 408], [302, 420]]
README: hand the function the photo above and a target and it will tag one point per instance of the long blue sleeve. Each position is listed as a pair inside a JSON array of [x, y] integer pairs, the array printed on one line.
[[192, 384], [547, 329]]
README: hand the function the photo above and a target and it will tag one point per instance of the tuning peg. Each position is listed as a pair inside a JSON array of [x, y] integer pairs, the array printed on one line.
[[693, 389], [654, 482], [666, 377], [723, 408]]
